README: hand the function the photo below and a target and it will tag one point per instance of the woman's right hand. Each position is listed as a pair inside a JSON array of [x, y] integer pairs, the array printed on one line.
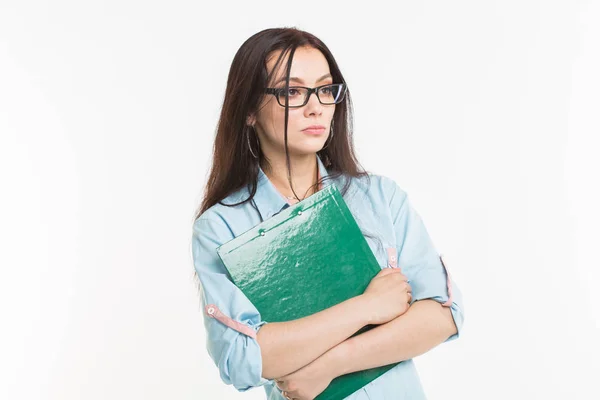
[[387, 297]]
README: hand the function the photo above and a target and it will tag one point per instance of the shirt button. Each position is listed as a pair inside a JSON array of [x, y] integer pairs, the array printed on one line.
[[393, 258]]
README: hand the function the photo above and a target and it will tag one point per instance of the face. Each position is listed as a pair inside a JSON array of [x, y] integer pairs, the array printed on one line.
[[309, 69]]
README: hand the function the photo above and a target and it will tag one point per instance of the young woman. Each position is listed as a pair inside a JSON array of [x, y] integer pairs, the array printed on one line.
[[285, 132]]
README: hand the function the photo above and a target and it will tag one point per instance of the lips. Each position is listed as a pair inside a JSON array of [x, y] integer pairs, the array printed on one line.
[[314, 129]]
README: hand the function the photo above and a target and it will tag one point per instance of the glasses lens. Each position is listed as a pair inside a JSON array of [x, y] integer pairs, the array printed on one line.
[[296, 96], [332, 94], [329, 94]]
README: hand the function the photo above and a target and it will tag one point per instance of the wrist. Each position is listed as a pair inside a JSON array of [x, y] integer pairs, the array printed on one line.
[[363, 309]]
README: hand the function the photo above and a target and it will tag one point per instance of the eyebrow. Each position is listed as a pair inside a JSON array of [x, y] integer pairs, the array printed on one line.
[[299, 80]]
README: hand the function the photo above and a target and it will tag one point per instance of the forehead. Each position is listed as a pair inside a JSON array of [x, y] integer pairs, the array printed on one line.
[[308, 64]]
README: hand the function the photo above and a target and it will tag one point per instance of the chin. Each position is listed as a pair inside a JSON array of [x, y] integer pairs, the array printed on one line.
[[305, 147], [305, 150]]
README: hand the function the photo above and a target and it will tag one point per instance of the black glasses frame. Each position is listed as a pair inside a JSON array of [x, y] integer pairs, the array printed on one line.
[[275, 92]]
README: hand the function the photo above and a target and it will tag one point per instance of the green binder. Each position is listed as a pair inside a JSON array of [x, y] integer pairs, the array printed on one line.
[[307, 258]]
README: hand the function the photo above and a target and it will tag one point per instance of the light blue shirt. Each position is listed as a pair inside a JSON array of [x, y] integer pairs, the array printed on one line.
[[381, 209]]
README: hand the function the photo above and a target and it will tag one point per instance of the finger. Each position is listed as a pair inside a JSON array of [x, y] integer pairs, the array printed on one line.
[[388, 271], [288, 396]]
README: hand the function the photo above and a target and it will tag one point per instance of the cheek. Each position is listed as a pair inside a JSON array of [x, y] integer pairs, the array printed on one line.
[[277, 121], [274, 115], [268, 115], [272, 118]]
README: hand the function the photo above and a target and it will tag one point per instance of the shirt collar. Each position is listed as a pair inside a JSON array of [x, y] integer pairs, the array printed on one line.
[[268, 199]]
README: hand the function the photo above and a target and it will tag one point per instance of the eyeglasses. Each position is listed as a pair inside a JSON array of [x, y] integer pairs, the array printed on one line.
[[298, 95]]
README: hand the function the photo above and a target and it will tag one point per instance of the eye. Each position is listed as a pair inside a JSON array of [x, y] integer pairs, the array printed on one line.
[[292, 92]]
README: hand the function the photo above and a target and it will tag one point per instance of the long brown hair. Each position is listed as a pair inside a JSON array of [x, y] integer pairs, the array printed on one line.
[[233, 166]]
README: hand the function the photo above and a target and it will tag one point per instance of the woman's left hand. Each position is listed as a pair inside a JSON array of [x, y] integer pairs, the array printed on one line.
[[307, 382]]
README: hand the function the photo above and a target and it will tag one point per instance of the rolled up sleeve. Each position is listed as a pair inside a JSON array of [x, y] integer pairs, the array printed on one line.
[[420, 261], [235, 353]]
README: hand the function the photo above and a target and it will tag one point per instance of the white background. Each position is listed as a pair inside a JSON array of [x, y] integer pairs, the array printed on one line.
[[485, 112]]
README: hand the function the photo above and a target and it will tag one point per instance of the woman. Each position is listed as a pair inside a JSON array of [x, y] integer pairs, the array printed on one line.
[[284, 133]]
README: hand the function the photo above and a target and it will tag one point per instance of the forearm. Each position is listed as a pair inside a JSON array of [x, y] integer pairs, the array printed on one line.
[[425, 325], [289, 346]]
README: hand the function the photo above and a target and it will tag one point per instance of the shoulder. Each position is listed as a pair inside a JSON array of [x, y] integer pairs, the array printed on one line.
[[380, 188], [218, 219]]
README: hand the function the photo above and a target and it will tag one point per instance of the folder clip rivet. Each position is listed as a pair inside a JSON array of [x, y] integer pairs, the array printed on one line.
[[299, 212], [262, 233]]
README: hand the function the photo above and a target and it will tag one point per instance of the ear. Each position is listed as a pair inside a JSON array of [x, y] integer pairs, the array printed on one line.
[[251, 119]]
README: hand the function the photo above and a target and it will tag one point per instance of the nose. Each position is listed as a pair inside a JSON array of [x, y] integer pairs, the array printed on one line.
[[313, 105]]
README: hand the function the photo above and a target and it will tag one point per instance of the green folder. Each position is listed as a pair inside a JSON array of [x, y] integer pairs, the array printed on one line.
[[307, 258]]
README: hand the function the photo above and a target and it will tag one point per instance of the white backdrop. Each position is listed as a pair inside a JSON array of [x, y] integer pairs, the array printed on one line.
[[486, 113]]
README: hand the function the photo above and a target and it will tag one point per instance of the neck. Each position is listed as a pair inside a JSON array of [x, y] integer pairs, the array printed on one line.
[[303, 174]]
